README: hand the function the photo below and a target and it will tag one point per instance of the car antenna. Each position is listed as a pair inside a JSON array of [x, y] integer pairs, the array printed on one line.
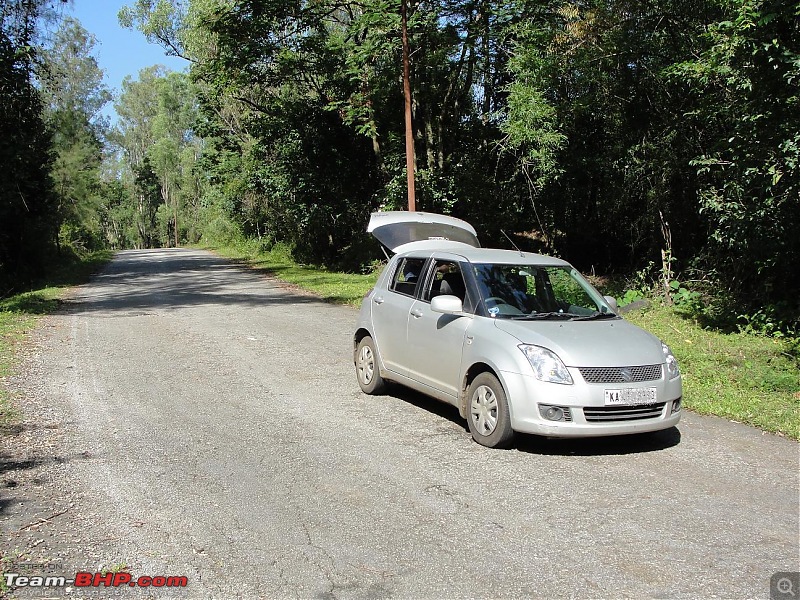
[[512, 243]]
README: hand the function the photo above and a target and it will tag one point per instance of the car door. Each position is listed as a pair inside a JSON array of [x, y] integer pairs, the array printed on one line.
[[436, 340], [391, 307]]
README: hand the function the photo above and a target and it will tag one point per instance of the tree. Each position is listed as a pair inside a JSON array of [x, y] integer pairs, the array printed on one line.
[[157, 115], [28, 218], [746, 82], [74, 93], [305, 101], [597, 74], [614, 133]]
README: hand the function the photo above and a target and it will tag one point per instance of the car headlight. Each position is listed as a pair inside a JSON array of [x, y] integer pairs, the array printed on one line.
[[672, 364], [546, 365]]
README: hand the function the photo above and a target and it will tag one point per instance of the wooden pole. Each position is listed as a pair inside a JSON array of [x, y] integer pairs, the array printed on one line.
[[412, 202]]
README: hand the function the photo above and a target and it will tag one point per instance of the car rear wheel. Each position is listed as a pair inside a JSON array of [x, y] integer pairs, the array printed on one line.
[[487, 412], [367, 371]]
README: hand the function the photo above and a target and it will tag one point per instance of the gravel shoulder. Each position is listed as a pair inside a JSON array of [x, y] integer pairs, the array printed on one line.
[[184, 416]]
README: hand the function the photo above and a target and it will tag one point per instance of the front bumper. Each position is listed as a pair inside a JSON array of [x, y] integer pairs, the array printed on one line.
[[525, 394]]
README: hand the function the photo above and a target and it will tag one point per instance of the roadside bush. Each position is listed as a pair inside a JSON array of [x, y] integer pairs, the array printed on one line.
[[684, 299]]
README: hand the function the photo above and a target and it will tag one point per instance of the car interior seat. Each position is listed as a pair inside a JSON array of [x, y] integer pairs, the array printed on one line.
[[453, 284]]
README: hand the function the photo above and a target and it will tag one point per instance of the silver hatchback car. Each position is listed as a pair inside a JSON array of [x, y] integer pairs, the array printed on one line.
[[518, 342]]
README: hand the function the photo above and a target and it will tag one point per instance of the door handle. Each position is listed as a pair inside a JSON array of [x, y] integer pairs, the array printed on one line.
[[416, 313], [378, 300]]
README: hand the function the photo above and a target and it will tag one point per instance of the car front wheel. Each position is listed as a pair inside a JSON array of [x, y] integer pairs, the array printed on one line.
[[367, 371], [487, 412]]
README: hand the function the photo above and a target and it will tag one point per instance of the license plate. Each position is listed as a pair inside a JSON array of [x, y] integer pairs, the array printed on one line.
[[630, 396]]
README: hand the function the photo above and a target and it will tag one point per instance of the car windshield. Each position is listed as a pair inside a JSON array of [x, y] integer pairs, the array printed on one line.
[[538, 292]]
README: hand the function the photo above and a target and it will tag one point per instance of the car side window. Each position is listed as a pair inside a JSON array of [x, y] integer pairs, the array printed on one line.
[[407, 276], [446, 280]]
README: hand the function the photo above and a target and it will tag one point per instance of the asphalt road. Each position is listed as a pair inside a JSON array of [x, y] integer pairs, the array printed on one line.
[[217, 431]]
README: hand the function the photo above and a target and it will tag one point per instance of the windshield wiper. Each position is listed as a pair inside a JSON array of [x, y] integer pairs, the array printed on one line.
[[596, 315], [544, 315]]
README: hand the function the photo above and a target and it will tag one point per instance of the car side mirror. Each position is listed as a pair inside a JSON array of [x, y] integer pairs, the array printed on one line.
[[448, 305], [612, 302]]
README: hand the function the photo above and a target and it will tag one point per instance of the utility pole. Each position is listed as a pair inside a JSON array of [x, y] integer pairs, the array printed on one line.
[[412, 202]]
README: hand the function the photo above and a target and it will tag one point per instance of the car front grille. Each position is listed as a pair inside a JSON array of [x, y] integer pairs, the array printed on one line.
[[621, 374], [623, 413]]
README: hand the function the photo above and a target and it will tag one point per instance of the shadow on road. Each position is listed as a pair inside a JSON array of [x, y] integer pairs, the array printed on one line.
[[15, 464], [534, 444], [426, 403], [141, 281], [601, 446], [19, 470]]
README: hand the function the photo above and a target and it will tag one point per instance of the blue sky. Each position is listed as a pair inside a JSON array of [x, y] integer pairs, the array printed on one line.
[[119, 51]]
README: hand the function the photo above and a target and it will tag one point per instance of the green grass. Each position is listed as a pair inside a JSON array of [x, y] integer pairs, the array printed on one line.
[[331, 286], [20, 313], [13, 327], [743, 377]]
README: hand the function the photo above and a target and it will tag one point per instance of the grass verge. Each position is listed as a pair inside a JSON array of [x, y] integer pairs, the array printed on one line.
[[331, 286], [743, 377], [19, 313]]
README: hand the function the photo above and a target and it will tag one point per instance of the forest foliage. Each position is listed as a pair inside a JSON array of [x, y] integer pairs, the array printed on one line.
[[660, 138]]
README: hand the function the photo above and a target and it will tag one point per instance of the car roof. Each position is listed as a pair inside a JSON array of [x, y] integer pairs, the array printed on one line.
[[479, 255]]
